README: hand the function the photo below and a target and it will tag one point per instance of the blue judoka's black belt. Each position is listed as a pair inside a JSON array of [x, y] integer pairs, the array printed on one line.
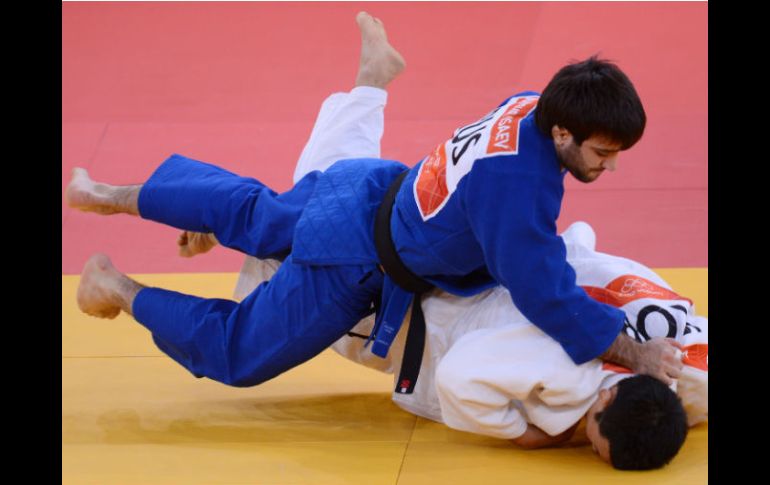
[[405, 279]]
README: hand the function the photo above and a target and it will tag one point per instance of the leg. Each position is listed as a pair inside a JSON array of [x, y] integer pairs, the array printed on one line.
[[380, 63], [89, 196], [241, 212], [301, 311], [104, 291], [349, 125]]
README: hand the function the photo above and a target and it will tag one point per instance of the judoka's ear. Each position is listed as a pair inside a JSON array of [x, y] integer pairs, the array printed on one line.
[[561, 136], [606, 396]]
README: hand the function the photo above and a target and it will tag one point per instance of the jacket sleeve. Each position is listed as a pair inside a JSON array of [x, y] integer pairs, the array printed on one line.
[[477, 392], [512, 213]]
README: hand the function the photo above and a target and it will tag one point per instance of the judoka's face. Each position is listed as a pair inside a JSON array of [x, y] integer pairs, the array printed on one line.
[[601, 445], [586, 161]]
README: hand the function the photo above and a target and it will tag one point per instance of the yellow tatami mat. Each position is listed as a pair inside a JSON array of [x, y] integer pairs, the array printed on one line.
[[130, 415]]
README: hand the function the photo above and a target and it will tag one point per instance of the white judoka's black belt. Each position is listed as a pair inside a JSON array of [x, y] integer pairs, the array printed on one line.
[[405, 279]]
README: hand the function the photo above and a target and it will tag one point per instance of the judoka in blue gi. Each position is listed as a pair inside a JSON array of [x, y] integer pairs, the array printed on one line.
[[478, 211]]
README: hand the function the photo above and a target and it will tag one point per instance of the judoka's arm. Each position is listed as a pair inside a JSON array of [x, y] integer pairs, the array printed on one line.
[[656, 357], [482, 380], [535, 437], [511, 215], [469, 403]]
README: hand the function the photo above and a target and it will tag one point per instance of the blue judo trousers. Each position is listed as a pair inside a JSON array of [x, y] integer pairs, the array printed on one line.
[[302, 310]]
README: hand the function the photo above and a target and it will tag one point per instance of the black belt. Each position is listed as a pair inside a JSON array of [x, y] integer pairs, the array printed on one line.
[[405, 279]]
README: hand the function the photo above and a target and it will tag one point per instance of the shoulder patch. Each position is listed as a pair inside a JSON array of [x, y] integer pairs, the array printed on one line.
[[628, 288], [430, 190]]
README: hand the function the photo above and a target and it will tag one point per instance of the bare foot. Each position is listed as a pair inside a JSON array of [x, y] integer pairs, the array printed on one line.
[[98, 287], [192, 243], [380, 62], [85, 194]]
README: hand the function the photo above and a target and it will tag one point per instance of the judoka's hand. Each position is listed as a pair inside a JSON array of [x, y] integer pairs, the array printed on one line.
[[192, 243], [660, 358]]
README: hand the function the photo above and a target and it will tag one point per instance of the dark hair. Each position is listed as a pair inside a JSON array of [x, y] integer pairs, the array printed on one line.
[[592, 97], [645, 424]]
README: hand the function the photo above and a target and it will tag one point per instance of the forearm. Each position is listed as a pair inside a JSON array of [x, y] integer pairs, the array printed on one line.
[[535, 437], [659, 357], [624, 351]]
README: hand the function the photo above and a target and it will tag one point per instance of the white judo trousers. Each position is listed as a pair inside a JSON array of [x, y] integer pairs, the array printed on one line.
[[486, 369]]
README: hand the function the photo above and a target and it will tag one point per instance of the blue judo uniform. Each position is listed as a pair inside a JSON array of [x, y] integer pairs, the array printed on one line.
[[478, 211]]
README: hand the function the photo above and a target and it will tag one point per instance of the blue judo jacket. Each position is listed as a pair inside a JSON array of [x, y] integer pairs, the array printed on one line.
[[478, 211]]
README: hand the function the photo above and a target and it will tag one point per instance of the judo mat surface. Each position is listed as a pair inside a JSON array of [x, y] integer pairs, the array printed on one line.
[[239, 85], [130, 415]]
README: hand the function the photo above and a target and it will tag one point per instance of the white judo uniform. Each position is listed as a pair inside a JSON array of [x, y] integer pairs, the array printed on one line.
[[486, 369]]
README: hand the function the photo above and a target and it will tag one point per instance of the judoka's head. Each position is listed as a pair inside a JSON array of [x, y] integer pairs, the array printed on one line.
[[590, 102], [638, 424]]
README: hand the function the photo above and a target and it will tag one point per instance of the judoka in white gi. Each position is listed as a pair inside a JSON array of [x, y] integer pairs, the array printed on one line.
[[487, 370]]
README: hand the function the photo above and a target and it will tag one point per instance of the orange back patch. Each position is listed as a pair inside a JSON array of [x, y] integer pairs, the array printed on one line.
[[430, 188]]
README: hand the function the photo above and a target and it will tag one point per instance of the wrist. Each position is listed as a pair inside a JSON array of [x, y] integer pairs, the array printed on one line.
[[624, 351]]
